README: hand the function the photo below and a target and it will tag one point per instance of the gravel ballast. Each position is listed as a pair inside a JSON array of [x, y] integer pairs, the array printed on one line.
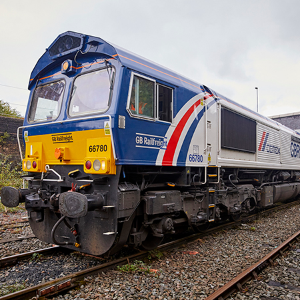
[[192, 271], [280, 281], [199, 268], [10, 229]]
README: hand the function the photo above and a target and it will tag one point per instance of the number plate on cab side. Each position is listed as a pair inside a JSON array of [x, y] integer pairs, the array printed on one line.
[[99, 147], [99, 158]]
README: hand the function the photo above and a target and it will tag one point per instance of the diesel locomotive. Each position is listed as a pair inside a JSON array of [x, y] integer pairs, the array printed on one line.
[[120, 150]]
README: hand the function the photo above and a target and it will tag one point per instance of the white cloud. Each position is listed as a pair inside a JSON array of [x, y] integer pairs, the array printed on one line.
[[231, 46]]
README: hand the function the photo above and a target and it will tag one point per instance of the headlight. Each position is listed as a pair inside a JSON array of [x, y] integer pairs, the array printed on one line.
[[96, 165], [103, 164], [28, 164]]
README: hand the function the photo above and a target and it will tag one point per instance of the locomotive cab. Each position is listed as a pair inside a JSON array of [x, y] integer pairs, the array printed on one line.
[[69, 148]]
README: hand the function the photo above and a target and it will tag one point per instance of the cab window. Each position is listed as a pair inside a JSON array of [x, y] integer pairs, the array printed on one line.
[[46, 102], [150, 99], [91, 92], [142, 97], [164, 99]]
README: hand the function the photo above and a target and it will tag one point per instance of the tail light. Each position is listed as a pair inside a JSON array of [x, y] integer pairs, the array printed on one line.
[[88, 164]]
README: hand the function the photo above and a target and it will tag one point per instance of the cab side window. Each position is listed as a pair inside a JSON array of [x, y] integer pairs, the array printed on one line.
[[164, 95], [142, 97]]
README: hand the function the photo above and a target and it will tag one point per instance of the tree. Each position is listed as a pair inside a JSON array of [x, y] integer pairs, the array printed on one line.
[[7, 111]]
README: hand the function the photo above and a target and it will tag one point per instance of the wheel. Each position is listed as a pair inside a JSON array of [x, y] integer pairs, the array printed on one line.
[[202, 227], [235, 217], [151, 242]]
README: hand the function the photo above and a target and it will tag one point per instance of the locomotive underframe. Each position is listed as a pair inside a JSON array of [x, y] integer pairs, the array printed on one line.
[[141, 204]]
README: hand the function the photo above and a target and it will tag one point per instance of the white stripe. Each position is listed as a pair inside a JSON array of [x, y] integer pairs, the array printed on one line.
[[184, 132], [176, 120]]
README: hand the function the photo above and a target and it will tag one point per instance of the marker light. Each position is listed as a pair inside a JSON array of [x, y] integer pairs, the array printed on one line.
[[96, 165], [103, 164], [28, 164], [34, 164], [88, 164], [65, 65]]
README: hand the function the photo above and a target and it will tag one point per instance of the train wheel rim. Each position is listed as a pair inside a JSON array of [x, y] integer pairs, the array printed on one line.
[[151, 242]]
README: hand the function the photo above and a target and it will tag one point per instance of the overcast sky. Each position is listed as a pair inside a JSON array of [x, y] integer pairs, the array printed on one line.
[[231, 46]]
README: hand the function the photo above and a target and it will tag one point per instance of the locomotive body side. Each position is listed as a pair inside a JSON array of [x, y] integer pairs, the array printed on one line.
[[275, 145], [120, 150]]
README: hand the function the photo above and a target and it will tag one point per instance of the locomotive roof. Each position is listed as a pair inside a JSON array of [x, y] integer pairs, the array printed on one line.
[[93, 45], [69, 44]]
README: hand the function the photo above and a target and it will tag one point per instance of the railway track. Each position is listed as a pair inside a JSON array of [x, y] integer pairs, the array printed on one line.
[[20, 238], [236, 284], [71, 281], [12, 260], [13, 225]]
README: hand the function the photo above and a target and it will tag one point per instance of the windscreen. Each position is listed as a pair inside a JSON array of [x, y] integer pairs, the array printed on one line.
[[46, 102], [91, 92]]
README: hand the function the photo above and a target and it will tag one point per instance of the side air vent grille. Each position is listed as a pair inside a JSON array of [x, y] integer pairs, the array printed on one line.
[[65, 45]]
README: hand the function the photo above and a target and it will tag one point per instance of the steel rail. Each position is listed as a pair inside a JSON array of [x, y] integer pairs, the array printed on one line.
[[65, 283], [14, 223], [10, 260], [20, 238], [12, 226], [236, 283], [71, 281]]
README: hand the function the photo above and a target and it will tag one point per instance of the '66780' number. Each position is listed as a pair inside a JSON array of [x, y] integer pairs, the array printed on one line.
[[97, 148], [195, 158]]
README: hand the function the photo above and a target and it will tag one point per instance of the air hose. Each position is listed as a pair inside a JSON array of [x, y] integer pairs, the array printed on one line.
[[76, 244]]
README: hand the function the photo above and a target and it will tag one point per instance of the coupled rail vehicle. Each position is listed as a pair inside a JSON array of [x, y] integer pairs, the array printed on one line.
[[120, 150]]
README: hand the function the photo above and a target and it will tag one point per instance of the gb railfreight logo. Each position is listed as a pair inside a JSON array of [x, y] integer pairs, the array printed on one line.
[[265, 146]]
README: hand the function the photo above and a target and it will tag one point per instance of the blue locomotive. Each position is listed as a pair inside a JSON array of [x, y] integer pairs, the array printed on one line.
[[120, 150]]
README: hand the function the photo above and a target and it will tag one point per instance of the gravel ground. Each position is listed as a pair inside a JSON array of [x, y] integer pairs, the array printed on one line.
[[197, 269], [192, 271], [40, 269], [279, 282], [9, 217], [9, 222], [12, 248]]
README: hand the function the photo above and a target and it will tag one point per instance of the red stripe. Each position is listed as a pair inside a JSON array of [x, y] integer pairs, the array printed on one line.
[[262, 141], [170, 151], [172, 144]]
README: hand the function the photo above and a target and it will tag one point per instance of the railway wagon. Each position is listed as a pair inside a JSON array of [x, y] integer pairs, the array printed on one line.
[[120, 150]]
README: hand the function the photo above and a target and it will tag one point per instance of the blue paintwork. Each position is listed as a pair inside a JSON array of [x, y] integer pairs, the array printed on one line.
[[124, 63]]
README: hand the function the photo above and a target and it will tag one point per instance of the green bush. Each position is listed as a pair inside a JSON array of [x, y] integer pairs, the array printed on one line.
[[10, 172]]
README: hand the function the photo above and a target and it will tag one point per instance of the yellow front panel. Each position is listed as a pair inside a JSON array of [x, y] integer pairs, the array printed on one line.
[[71, 148]]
